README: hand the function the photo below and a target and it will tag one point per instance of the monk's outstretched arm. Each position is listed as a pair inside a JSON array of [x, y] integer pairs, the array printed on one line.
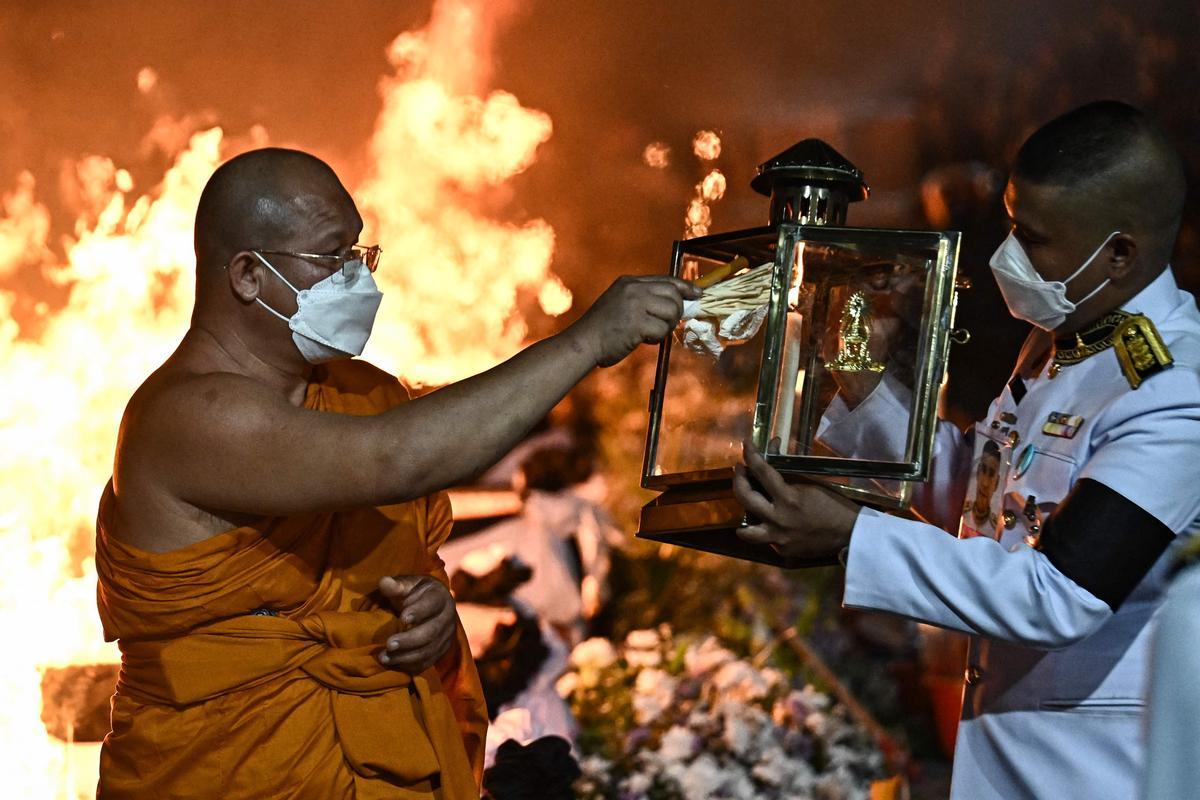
[[225, 442]]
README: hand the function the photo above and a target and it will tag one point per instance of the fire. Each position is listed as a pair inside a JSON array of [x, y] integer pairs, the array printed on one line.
[[147, 79], [706, 146], [453, 278], [657, 155], [128, 271], [456, 282]]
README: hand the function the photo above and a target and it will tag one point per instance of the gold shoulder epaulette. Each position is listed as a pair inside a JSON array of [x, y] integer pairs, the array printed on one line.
[[1140, 349]]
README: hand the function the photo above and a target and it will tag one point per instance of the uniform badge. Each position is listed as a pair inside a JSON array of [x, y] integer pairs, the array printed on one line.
[[1024, 461], [1140, 349], [985, 492], [1064, 426]]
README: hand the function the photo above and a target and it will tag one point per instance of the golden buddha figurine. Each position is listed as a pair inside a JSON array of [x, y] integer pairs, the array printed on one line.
[[854, 338]]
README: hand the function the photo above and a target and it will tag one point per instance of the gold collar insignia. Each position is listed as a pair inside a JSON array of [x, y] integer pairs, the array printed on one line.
[[1140, 349]]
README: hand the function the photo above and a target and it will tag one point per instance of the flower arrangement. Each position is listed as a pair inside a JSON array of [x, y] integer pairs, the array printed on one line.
[[666, 718]]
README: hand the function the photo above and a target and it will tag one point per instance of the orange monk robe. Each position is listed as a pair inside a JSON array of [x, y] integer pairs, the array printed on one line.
[[215, 702]]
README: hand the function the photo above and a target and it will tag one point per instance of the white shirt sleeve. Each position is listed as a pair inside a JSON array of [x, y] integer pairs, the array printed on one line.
[[870, 431], [970, 585], [1147, 447]]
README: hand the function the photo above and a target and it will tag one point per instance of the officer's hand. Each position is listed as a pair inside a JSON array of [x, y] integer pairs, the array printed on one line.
[[634, 310], [426, 609], [798, 520], [855, 387]]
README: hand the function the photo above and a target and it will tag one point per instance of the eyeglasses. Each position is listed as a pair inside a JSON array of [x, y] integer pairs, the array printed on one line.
[[368, 255]]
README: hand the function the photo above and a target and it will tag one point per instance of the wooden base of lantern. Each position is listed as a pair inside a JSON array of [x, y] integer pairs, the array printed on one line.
[[707, 517]]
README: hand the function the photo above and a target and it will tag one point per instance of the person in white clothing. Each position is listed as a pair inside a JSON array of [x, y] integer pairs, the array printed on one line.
[[1172, 768], [1099, 436]]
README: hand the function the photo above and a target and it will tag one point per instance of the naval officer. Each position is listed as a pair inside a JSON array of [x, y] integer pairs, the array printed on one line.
[[1099, 428]]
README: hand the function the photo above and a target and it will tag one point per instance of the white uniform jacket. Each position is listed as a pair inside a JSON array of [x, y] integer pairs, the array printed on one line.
[[1056, 679], [1173, 745]]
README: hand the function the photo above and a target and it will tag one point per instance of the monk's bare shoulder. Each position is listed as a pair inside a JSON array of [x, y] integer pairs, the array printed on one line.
[[165, 422], [173, 401]]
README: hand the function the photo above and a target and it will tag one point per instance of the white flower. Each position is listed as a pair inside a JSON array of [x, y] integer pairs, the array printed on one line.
[[747, 729], [738, 736], [840, 756], [732, 707], [740, 680], [643, 658], [648, 708], [642, 648], [593, 654], [698, 720], [653, 681], [567, 684], [772, 676], [738, 786], [678, 744], [595, 767], [700, 779], [773, 767], [644, 639], [816, 723], [832, 786], [706, 657], [815, 699], [637, 784], [653, 693], [799, 778]]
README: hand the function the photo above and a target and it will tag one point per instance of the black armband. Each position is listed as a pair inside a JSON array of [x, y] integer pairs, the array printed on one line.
[[1103, 541]]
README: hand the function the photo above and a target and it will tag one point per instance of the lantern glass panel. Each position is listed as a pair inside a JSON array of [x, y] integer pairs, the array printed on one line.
[[711, 384]]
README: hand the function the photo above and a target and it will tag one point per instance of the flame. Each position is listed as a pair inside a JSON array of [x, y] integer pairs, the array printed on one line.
[[128, 303], [707, 146], [456, 281], [712, 188], [24, 229], [147, 79], [657, 155], [452, 277]]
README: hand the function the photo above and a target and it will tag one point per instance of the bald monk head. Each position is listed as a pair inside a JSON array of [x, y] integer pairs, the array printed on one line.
[[257, 211], [1102, 182]]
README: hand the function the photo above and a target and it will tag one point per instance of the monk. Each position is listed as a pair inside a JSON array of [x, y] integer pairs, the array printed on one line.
[[267, 547]]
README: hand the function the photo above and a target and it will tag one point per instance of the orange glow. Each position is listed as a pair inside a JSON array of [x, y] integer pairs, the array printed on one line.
[[698, 218], [712, 188], [455, 281], [453, 278], [707, 146], [657, 155]]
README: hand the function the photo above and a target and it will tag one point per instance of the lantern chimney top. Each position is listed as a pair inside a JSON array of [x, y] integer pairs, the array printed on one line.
[[810, 183]]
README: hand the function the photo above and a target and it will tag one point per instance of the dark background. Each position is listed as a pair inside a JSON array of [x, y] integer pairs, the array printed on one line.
[[917, 94]]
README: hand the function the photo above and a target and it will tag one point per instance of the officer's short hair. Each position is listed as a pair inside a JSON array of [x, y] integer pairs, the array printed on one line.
[[1080, 144]]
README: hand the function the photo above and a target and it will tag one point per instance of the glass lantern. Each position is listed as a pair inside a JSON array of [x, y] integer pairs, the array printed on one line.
[[824, 344]]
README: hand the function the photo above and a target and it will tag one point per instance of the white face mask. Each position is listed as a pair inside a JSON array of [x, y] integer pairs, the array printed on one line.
[[333, 319], [1029, 297]]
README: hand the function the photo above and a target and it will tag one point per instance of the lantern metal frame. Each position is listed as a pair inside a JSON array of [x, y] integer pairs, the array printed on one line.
[[695, 501]]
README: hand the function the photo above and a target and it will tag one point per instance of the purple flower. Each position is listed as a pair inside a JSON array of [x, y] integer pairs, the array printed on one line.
[[635, 739]]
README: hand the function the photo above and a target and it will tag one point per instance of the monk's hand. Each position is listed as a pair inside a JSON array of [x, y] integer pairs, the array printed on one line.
[[798, 520], [633, 311], [426, 610]]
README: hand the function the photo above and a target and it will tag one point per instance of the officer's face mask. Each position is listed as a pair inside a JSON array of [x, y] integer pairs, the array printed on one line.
[[1029, 297], [333, 319]]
